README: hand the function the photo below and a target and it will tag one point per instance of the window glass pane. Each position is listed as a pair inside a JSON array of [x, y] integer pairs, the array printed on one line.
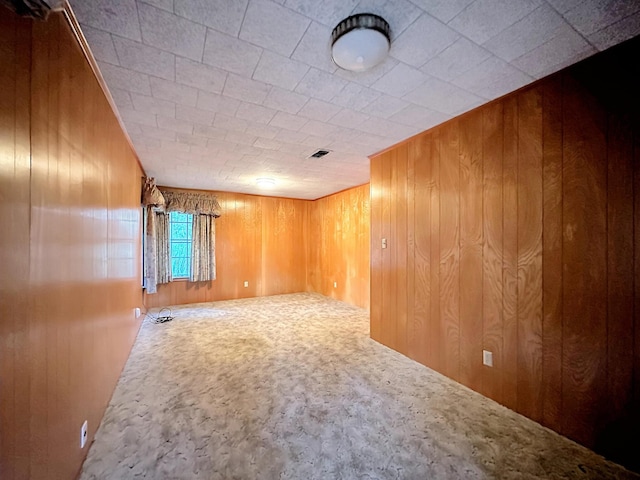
[[180, 243]]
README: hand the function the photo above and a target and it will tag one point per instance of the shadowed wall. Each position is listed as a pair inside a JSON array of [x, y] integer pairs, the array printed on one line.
[[511, 228]]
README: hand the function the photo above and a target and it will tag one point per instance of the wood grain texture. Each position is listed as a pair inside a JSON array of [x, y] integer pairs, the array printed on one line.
[[529, 207], [492, 248], [523, 240], [584, 259], [471, 249], [375, 288], [74, 186], [552, 253]]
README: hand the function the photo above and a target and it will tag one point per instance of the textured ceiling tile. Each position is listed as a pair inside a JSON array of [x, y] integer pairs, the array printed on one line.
[[328, 12], [201, 76], [145, 59], [557, 53], [101, 44], [385, 106], [245, 89], [142, 103], [590, 16], [290, 136], [122, 78], [386, 128], [285, 101], [174, 92], [255, 113], [264, 131], [267, 143], [191, 140], [223, 15], [217, 103], [399, 14], [321, 85], [316, 142], [121, 97], [355, 96], [169, 32], [616, 33], [240, 138], [455, 60], [319, 110], [443, 97], [174, 147], [443, 10], [194, 115], [178, 126], [160, 133], [280, 71], [209, 132], [288, 121], [563, 5], [423, 40], [416, 116], [231, 54], [230, 123], [400, 81], [488, 78], [484, 19], [528, 33], [163, 4], [313, 127], [139, 118], [273, 27], [314, 49], [114, 16], [349, 118]]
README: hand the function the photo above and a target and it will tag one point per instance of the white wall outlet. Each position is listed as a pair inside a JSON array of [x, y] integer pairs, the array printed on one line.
[[246, 283], [384, 243], [83, 434], [487, 358], [335, 284], [136, 312]]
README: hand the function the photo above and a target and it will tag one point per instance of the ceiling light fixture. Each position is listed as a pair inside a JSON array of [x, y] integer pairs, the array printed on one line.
[[265, 182], [360, 42]]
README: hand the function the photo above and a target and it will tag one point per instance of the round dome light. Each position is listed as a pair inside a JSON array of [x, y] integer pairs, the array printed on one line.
[[360, 42]]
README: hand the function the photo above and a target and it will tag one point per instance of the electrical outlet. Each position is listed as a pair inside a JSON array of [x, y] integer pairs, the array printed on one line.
[[136, 312], [83, 434], [487, 358], [335, 284], [246, 284]]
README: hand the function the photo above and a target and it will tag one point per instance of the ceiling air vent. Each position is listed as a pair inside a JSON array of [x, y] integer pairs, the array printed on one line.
[[320, 154]]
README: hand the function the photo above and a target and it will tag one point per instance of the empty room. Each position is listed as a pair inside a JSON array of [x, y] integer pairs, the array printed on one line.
[[341, 239]]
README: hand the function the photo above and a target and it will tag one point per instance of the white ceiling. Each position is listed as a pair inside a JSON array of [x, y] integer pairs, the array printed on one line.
[[216, 93]]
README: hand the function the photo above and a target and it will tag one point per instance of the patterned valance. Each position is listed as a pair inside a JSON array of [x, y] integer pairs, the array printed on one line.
[[191, 202], [151, 196]]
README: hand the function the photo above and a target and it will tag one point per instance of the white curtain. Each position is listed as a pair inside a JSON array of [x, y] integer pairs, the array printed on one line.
[[203, 249]]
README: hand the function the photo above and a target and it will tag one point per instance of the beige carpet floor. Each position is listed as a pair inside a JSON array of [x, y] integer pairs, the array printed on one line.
[[292, 387]]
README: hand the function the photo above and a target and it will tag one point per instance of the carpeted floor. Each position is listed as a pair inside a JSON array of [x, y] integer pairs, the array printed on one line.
[[291, 387]]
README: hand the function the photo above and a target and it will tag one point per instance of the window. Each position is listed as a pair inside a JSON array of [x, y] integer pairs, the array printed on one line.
[[180, 236]]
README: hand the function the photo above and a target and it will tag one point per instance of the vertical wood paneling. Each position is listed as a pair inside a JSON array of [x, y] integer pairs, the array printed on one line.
[[376, 198], [510, 255], [584, 259], [450, 248], [419, 293], [400, 241], [76, 206], [492, 248], [530, 253], [15, 58], [552, 253], [471, 238], [523, 240]]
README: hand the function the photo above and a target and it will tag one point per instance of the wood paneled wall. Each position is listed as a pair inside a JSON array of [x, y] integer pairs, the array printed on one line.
[[338, 232], [513, 228], [281, 246], [258, 239], [69, 249]]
